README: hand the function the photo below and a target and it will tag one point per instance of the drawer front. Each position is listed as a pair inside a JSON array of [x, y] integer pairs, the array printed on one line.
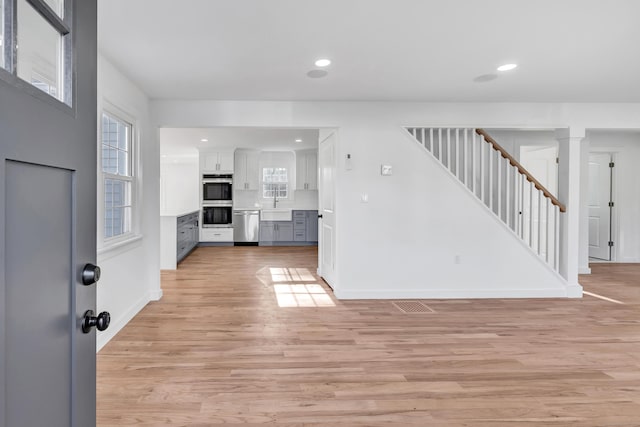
[[216, 235], [299, 224], [299, 214], [299, 236]]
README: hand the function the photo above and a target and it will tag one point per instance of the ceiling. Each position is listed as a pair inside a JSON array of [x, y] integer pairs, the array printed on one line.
[[382, 50], [185, 142]]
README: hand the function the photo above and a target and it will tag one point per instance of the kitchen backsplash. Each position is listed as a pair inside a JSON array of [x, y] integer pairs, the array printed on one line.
[[302, 199]]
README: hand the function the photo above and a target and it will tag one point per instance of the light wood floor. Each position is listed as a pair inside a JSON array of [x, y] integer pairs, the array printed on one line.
[[218, 348]]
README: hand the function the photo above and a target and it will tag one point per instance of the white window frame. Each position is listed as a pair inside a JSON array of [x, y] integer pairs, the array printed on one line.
[[133, 234], [277, 159], [286, 183]]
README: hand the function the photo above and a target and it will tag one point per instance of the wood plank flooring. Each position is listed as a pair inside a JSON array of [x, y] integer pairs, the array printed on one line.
[[218, 348]]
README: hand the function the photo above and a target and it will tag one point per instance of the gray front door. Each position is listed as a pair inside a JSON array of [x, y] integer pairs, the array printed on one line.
[[47, 218]]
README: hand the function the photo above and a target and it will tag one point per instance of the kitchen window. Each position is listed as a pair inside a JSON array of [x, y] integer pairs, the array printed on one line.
[[275, 183], [116, 150], [36, 46]]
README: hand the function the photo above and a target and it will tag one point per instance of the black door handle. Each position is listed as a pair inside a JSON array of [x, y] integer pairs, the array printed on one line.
[[90, 274], [101, 322], [320, 216]]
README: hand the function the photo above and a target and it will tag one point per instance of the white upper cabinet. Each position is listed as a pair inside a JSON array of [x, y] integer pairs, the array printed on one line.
[[216, 161], [307, 170], [246, 170]]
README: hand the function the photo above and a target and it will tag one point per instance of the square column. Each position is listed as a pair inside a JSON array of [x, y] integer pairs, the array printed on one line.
[[569, 192]]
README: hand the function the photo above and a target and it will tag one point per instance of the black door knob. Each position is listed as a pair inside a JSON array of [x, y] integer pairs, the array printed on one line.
[[101, 322], [90, 274]]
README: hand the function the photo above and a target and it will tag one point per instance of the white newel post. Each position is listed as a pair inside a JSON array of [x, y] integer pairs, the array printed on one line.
[[583, 257], [570, 147]]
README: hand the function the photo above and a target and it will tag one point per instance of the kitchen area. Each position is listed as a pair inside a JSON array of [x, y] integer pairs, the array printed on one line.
[[237, 187]]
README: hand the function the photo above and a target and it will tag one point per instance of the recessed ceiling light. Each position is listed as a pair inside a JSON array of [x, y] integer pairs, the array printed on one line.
[[298, 140], [507, 67], [204, 140], [323, 62]]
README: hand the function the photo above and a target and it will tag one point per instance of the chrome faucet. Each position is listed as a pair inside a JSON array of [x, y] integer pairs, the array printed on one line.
[[275, 199]]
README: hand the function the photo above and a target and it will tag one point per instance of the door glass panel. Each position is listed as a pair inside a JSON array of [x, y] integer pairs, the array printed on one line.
[[57, 6], [39, 51], [1, 34]]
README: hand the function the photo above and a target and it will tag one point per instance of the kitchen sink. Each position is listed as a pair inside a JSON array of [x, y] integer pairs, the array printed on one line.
[[275, 215]]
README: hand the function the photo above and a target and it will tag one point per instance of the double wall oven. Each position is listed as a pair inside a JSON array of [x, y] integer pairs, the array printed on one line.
[[217, 200]]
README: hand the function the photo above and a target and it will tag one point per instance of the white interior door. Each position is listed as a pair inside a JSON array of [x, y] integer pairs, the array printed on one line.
[[327, 203], [541, 162], [599, 209]]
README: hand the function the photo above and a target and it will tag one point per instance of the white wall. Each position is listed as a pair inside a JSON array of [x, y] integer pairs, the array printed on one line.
[[390, 246], [131, 272], [180, 182], [625, 147], [513, 140]]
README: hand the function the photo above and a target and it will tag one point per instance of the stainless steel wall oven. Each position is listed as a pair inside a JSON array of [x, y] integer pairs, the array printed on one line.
[[217, 189], [217, 216]]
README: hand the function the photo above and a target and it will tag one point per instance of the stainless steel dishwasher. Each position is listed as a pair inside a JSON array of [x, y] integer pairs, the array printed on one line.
[[246, 227]]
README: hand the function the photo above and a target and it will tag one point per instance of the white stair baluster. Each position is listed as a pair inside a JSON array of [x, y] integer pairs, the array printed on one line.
[[484, 145], [458, 155], [499, 184], [431, 141], [440, 156], [539, 222], [449, 150], [508, 195], [546, 243]]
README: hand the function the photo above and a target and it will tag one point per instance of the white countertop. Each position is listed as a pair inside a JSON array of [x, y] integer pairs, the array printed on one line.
[[178, 213]]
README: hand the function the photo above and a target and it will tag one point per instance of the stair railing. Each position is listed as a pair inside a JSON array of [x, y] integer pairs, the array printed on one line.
[[503, 185]]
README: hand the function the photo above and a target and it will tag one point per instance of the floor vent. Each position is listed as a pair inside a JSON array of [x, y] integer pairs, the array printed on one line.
[[412, 307]]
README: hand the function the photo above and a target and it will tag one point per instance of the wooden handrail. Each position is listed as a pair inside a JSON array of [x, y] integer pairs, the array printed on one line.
[[521, 169]]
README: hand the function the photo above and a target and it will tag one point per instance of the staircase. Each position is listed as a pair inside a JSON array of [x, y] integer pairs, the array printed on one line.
[[492, 175]]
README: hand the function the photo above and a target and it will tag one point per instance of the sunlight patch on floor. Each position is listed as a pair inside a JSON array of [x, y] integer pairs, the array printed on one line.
[[591, 294], [291, 275], [302, 295]]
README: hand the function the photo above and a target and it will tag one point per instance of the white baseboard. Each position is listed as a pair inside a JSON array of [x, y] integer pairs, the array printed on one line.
[[574, 290], [559, 292], [155, 295], [116, 326], [584, 270]]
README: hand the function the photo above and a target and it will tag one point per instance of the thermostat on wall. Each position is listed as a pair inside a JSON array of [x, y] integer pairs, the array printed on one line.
[[386, 170]]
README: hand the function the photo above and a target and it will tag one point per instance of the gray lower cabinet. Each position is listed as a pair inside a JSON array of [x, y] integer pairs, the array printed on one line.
[[276, 231], [312, 226], [301, 230], [188, 235]]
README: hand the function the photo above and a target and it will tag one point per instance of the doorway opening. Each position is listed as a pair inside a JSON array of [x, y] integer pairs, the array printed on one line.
[[600, 206]]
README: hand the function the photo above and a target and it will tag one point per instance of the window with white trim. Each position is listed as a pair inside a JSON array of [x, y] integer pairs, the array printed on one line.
[[116, 150], [275, 183]]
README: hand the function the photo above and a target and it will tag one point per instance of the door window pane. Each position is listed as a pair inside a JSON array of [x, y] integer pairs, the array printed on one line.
[[1, 34], [39, 51], [57, 6]]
